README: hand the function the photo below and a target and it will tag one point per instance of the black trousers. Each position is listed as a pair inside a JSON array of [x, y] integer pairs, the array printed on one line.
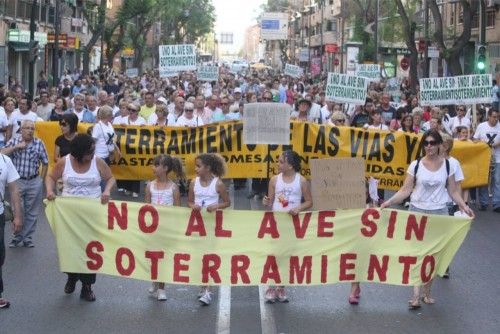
[[84, 278]]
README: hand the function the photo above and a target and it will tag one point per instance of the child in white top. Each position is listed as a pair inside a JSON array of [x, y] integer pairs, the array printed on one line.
[[208, 191], [285, 193], [163, 191]]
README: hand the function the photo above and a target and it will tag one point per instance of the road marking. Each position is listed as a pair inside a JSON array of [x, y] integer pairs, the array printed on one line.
[[267, 324], [224, 314]]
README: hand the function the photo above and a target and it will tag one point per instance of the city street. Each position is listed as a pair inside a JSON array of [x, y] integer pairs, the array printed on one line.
[[466, 303]]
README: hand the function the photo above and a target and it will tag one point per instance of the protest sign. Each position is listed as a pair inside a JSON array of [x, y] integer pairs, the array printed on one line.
[[387, 154], [338, 183], [132, 72], [345, 88], [266, 123], [231, 247], [370, 71], [168, 74], [181, 57], [207, 73], [463, 89], [293, 70]]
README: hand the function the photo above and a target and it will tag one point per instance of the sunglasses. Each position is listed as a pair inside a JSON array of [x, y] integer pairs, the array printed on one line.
[[188, 110], [340, 120], [223, 104], [267, 98], [133, 110], [63, 123], [430, 142]]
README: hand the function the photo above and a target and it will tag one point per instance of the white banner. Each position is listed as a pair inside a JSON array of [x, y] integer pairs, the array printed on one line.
[[207, 73], [132, 72], [266, 123], [370, 71], [274, 26], [180, 57], [463, 89], [345, 88], [293, 71]]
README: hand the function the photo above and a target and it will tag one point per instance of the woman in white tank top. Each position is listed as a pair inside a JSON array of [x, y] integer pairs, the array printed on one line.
[[285, 193], [82, 173], [163, 191], [208, 191]]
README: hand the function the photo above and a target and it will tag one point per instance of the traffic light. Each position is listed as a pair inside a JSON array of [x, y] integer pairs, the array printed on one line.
[[33, 46], [481, 59]]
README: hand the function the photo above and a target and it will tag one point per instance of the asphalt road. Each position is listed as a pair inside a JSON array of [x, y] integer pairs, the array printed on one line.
[[466, 303]]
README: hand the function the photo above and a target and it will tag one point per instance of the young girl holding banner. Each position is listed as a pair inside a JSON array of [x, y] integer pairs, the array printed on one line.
[[285, 193], [163, 191], [208, 191]]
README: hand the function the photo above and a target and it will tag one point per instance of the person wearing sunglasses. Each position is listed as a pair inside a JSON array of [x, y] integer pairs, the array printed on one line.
[[68, 125], [429, 181], [188, 119], [460, 120], [338, 118]]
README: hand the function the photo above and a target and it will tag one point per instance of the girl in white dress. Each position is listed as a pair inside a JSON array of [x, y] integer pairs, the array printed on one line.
[[163, 191], [285, 193], [208, 191]]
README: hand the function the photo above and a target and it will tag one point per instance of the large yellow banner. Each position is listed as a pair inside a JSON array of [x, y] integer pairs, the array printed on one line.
[[387, 154], [230, 247]]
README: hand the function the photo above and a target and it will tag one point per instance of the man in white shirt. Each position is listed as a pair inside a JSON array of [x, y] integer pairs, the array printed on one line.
[[188, 119], [489, 132], [44, 108], [20, 114]]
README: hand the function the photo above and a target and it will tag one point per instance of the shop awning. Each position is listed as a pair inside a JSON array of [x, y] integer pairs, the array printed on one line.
[[19, 46]]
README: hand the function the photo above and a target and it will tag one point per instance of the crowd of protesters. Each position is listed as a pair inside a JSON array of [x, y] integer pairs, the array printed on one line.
[[109, 99]]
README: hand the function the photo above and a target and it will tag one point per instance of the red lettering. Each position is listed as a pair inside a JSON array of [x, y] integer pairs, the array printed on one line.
[[270, 271], [392, 224], [367, 219], [154, 257], [220, 232], [425, 272], [300, 270], [268, 226], [323, 224], [120, 253], [120, 217], [97, 261], [179, 266], [239, 266], [407, 261], [196, 224], [211, 264], [416, 228], [345, 266], [142, 219], [375, 266], [301, 227], [324, 268]]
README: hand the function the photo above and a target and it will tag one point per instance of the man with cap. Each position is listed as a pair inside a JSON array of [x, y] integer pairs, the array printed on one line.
[[304, 112], [237, 94]]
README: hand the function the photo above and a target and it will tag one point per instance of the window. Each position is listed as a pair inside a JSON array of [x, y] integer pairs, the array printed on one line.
[[331, 25], [490, 18]]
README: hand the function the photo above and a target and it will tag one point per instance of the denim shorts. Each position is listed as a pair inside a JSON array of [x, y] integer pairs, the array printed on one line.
[[443, 211]]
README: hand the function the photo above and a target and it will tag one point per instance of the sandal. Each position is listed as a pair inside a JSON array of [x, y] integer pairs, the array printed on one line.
[[353, 300], [414, 304], [4, 303], [428, 300]]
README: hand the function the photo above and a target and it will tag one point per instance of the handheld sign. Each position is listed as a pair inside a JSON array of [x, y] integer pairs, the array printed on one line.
[[345, 88], [370, 71], [207, 73], [338, 183], [167, 74], [463, 89], [132, 72], [293, 71], [266, 123], [180, 57]]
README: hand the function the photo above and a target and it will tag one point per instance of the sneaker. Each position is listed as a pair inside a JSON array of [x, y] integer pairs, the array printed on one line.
[[4, 303], [281, 295], [206, 298], [407, 204], [270, 295], [135, 195], [87, 293], [28, 244], [447, 273], [154, 288], [162, 295], [14, 243], [70, 286]]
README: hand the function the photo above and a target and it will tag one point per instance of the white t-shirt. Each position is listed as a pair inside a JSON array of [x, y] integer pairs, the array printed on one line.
[[192, 123], [381, 126], [489, 134], [17, 117], [138, 121], [8, 174], [104, 136], [4, 122], [120, 120], [287, 196], [455, 121], [430, 191]]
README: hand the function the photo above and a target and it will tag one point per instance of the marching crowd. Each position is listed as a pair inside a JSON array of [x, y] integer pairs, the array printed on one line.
[[82, 160]]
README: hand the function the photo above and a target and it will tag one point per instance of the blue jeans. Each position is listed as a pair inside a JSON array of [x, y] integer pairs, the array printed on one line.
[[495, 187], [31, 194], [443, 211]]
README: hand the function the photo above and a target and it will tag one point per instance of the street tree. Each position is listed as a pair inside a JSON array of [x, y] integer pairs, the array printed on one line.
[[95, 14]]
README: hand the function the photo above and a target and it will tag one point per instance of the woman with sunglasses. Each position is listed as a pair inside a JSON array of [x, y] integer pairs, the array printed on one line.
[[429, 181], [68, 125]]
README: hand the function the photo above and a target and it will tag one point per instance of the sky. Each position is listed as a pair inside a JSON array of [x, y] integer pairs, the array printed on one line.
[[235, 16]]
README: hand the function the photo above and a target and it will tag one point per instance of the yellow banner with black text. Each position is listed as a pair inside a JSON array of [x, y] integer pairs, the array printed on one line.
[[231, 247], [387, 154]]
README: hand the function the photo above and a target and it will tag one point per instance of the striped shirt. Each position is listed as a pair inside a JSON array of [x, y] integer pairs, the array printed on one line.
[[27, 160]]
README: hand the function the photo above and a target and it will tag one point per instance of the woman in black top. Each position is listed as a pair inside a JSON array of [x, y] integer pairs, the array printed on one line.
[[68, 124], [59, 109]]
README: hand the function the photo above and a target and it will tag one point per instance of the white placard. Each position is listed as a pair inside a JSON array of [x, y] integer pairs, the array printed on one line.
[[370, 71], [207, 73], [274, 26], [345, 88], [463, 89], [181, 57], [266, 123], [132, 72], [293, 71], [168, 74]]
